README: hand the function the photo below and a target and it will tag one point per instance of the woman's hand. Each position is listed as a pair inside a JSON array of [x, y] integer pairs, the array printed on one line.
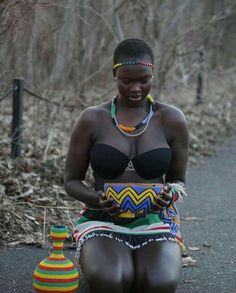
[[163, 200], [109, 205]]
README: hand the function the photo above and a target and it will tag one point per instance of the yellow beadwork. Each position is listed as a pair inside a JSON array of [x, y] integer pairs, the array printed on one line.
[[133, 199], [150, 98]]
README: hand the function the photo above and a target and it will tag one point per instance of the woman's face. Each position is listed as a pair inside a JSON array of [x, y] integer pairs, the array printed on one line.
[[134, 82]]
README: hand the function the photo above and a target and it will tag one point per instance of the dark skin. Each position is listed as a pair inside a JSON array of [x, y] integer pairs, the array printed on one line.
[[108, 265]]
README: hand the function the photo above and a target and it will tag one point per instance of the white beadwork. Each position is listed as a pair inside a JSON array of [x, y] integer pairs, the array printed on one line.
[[134, 134], [130, 167]]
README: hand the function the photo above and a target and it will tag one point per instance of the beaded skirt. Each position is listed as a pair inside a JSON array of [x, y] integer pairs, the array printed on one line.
[[135, 233]]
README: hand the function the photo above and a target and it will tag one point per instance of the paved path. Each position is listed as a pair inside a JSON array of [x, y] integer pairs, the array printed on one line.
[[208, 223], [212, 207]]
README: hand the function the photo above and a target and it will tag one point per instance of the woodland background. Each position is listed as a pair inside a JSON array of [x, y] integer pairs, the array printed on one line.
[[63, 50]]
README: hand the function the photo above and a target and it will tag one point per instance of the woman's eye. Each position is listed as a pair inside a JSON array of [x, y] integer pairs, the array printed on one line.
[[145, 81], [126, 81]]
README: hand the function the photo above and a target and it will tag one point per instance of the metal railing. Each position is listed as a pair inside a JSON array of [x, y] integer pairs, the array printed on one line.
[[17, 90]]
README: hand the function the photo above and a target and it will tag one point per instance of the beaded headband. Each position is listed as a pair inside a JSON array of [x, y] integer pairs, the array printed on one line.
[[133, 63]]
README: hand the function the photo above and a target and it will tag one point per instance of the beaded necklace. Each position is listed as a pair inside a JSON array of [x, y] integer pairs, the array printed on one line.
[[126, 129]]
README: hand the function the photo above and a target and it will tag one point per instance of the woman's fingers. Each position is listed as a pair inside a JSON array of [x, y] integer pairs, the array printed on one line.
[[114, 209], [163, 200], [109, 205], [159, 204], [165, 193], [103, 200], [101, 195], [156, 208]]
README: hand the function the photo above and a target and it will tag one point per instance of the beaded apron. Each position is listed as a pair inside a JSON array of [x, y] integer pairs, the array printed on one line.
[[133, 232]]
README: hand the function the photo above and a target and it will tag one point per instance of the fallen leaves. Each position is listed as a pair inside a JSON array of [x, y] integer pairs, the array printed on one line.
[[188, 281], [206, 244], [193, 248], [24, 198], [188, 261], [192, 219]]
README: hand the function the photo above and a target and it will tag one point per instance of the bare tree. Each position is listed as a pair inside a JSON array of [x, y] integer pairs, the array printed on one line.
[[67, 45]]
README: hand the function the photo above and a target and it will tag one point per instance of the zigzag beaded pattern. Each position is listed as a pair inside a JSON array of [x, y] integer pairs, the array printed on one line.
[[133, 200]]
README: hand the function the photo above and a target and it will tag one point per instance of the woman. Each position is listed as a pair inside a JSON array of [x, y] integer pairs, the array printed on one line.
[[133, 140]]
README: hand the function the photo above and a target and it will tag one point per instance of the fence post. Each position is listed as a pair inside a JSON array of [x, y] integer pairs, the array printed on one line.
[[17, 113], [200, 78]]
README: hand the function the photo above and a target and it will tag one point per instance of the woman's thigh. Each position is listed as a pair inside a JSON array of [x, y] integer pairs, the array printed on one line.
[[158, 267], [107, 265]]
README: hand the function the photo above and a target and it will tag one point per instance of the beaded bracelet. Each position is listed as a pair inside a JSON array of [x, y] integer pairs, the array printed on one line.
[[177, 191]]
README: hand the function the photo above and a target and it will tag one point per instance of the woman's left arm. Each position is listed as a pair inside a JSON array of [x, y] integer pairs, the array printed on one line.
[[178, 138], [178, 141]]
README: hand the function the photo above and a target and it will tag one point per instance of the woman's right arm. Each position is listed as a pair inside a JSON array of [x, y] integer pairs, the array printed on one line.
[[77, 160]]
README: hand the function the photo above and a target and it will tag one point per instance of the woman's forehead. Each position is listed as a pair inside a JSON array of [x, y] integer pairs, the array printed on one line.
[[136, 69]]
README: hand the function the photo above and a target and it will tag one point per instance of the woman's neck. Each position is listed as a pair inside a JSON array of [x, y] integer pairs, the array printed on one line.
[[126, 105]]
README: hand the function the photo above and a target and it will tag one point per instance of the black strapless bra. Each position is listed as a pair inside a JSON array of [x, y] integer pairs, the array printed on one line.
[[109, 163]]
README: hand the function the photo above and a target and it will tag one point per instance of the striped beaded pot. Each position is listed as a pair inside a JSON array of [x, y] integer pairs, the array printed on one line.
[[56, 273]]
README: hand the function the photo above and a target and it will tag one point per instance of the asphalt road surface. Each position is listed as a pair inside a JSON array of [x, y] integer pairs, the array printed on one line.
[[208, 225]]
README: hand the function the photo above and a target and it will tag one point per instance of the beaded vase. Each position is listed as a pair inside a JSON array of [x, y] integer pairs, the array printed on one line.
[[56, 273]]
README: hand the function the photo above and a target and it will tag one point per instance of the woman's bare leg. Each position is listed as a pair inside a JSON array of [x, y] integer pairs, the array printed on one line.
[[158, 267], [107, 265]]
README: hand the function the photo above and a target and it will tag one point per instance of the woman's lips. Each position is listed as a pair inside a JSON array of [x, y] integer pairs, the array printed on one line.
[[135, 98]]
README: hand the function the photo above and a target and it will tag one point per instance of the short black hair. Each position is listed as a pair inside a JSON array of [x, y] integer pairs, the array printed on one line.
[[131, 50]]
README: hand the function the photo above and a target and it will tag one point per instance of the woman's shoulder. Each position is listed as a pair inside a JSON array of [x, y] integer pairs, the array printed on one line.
[[89, 119], [93, 113], [171, 114]]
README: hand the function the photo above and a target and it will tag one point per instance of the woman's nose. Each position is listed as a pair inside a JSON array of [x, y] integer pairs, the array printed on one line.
[[135, 87]]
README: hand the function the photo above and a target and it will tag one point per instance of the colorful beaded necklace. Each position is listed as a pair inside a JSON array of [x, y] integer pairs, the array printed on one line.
[[126, 129]]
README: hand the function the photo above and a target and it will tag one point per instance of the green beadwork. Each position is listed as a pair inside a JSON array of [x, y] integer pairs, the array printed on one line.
[[113, 110]]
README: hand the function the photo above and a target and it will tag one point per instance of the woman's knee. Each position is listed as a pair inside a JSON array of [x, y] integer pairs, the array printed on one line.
[[163, 279], [107, 265], [165, 284], [102, 279], [158, 268], [115, 275]]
